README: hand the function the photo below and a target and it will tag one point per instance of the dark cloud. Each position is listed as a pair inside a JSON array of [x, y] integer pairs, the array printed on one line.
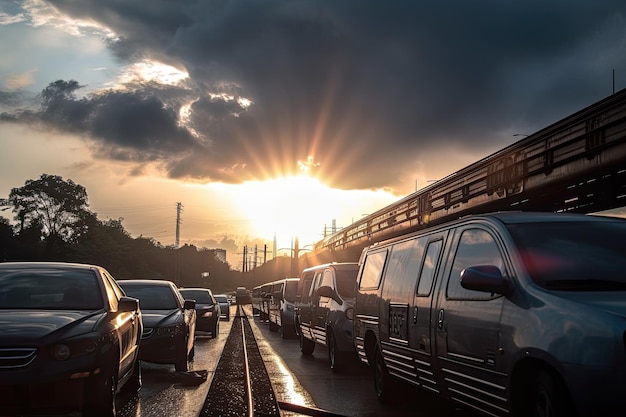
[[357, 84]]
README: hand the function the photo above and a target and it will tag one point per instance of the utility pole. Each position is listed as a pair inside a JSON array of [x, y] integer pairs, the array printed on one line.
[[179, 209]]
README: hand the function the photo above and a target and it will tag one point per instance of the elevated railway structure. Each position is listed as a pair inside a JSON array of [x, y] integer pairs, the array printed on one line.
[[577, 164]]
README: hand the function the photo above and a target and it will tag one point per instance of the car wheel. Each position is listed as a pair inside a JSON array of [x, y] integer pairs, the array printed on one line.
[[182, 365], [382, 379], [334, 356], [545, 396], [273, 326], [100, 396], [134, 383], [306, 346], [216, 329]]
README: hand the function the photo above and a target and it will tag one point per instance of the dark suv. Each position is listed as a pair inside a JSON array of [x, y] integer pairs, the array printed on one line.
[[324, 310]]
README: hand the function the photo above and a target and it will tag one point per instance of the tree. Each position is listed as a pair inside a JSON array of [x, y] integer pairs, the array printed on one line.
[[58, 208]]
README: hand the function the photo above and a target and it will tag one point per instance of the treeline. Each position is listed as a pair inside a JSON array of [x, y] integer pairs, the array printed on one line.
[[52, 222]]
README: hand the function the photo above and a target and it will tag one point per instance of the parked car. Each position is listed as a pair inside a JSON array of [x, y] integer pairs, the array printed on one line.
[[69, 339], [242, 296], [324, 315], [262, 296], [224, 303], [207, 309], [169, 322], [282, 312], [516, 314]]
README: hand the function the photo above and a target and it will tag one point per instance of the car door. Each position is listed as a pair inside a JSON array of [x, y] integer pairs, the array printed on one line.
[[468, 322], [308, 308], [420, 325], [128, 325], [322, 306]]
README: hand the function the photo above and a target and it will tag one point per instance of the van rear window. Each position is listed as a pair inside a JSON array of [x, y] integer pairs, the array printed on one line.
[[574, 256]]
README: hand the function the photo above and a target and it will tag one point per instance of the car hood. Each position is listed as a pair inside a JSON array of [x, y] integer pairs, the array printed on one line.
[[611, 302], [36, 327], [156, 318]]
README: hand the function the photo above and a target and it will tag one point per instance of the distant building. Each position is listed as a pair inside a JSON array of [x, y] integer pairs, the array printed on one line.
[[220, 254]]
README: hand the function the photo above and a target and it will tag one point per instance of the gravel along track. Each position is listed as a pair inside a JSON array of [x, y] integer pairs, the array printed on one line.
[[228, 394]]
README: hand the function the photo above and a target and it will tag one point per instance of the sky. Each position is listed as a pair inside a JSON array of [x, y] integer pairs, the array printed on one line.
[[270, 120]]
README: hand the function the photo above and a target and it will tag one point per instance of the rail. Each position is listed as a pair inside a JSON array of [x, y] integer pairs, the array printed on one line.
[[577, 164], [241, 385]]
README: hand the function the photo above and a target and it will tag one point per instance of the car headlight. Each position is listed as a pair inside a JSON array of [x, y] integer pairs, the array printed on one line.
[[350, 313], [170, 330], [75, 348]]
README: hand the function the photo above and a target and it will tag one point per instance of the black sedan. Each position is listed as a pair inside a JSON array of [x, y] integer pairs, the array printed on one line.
[[207, 309], [169, 322], [69, 339]]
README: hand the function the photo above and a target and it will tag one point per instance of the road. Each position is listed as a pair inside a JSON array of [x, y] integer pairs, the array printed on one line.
[[299, 380]]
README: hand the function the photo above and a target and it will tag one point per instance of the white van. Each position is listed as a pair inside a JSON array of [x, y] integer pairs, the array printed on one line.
[[508, 314]]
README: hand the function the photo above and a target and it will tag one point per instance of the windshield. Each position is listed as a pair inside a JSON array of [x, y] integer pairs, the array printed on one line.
[[221, 298], [201, 296], [50, 289], [574, 256], [346, 281], [152, 297]]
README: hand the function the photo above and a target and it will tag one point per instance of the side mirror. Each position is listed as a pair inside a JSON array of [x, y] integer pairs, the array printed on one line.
[[485, 278], [189, 304], [128, 304], [326, 291]]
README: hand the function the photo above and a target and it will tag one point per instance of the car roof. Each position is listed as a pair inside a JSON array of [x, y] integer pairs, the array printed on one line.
[[513, 217], [336, 265], [155, 282], [42, 265]]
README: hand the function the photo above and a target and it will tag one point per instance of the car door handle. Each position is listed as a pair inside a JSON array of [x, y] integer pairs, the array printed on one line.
[[440, 320]]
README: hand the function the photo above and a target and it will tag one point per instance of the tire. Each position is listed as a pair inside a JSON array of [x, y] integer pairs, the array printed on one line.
[[544, 396], [182, 364], [306, 346], [383, 384], [273, 327], [133, 385], [100, 396], [335, 358], [216, 329]]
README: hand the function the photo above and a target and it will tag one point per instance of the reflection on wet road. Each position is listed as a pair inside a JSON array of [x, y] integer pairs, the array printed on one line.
[[300, 380], [167, 394]]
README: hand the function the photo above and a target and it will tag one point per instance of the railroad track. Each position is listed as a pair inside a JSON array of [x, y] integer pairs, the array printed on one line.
[[241, 386]]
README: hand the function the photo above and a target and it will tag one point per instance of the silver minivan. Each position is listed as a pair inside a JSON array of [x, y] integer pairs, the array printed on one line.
[[282, 311], [324, 310], [520, 314]]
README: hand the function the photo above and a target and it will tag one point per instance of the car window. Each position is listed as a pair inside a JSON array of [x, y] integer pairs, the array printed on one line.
[[152, 297], [346, 281], [291, 288], [476, 247], [50, 289], [427, 274], [201, 296], [372, 269], [581, 256]]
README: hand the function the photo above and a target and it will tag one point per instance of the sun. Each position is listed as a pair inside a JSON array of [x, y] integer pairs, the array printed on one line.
[[287, 208]]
